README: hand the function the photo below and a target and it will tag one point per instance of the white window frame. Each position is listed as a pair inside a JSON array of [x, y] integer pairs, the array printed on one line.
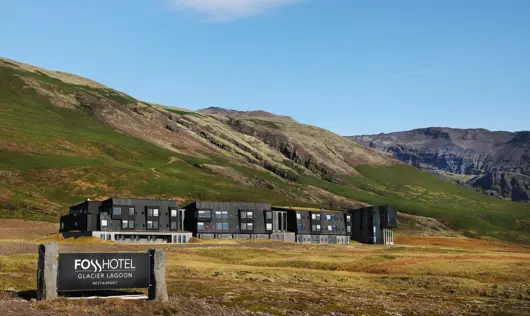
[[250, 214], [155, 212], [104, 223], [243, 226], [250, 226], [314, 217], [298, 216], [200, 226], [149, 223], [328, 217], [330, 228], [125, 223], [174, 212], [224, 214], [131, 224], [218, 214], [268, 226], [318, 227]]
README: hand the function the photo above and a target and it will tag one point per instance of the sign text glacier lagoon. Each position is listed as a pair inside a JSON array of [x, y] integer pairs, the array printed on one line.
[[103, 271]]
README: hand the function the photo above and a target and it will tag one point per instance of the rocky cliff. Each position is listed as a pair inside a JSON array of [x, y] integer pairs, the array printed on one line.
[[493, 162]]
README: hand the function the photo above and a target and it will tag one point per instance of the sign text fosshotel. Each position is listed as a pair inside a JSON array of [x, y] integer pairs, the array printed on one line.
[[94, 271]]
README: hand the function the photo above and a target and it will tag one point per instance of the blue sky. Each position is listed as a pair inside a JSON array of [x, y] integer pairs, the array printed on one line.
[[351, 66]]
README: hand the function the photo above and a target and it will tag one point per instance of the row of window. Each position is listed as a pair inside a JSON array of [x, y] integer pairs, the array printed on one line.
[[128, 224], [154, 212], [329, 217], [117, 211], [224, 226], [223, 214]]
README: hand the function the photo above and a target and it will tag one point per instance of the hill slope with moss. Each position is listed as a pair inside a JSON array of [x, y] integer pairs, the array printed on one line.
[[66, 138]]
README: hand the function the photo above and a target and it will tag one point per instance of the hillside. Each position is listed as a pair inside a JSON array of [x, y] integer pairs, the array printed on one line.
[[66, 138], [495, 163]]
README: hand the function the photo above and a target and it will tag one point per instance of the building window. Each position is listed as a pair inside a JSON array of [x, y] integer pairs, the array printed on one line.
[[298, 216], [250, 226], [131, 211], [249, 215], [104, 223], [173, 225], [116, 211], [218, 214], [348, 218], [328, 217], [149, 224], [131, 224], [200, 226], [243, 226], [300, 228], [269, 226], [334, 228], [329, 228], [318, 228], [243, 214], [62, 225], [75, 224], [348, 228], [124, 224], [268, 215], [152, 212], [205, 214], [173, 213], [222, 226]]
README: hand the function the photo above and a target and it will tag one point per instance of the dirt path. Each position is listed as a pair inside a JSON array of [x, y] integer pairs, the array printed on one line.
[[171, 160]]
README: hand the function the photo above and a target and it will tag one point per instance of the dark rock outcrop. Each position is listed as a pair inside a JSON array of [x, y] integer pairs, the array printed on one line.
[[495, 163]]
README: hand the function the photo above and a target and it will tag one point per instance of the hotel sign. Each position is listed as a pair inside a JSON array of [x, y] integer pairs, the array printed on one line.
[[102, 271]]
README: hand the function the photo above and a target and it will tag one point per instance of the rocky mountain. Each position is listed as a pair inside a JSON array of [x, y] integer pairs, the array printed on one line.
[[66, 138], [495, 163], [235, 113]]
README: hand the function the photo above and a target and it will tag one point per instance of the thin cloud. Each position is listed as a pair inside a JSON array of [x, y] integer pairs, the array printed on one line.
[[424, 71], [228, 10]]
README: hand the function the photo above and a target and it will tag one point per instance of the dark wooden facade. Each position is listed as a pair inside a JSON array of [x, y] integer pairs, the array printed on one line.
[[371, 225], [214, 219], [368, 223], [124, 214]]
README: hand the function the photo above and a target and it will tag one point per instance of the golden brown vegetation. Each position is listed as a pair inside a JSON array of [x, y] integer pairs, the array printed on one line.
[[420, 276]]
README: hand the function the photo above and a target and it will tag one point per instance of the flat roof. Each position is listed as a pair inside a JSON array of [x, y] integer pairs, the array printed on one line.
[[311, 209]]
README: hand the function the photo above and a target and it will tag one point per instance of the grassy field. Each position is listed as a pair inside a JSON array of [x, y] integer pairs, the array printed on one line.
[[56, 150], [418, 276]]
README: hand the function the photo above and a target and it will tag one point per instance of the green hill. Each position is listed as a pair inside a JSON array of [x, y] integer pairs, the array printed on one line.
[[66, 138]]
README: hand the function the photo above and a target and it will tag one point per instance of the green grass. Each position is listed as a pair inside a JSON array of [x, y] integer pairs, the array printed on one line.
[[55, 148], [51, 157]]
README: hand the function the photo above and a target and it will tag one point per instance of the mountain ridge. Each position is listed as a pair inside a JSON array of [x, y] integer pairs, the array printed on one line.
[[64, 141], [495, 162], [235, 113]]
